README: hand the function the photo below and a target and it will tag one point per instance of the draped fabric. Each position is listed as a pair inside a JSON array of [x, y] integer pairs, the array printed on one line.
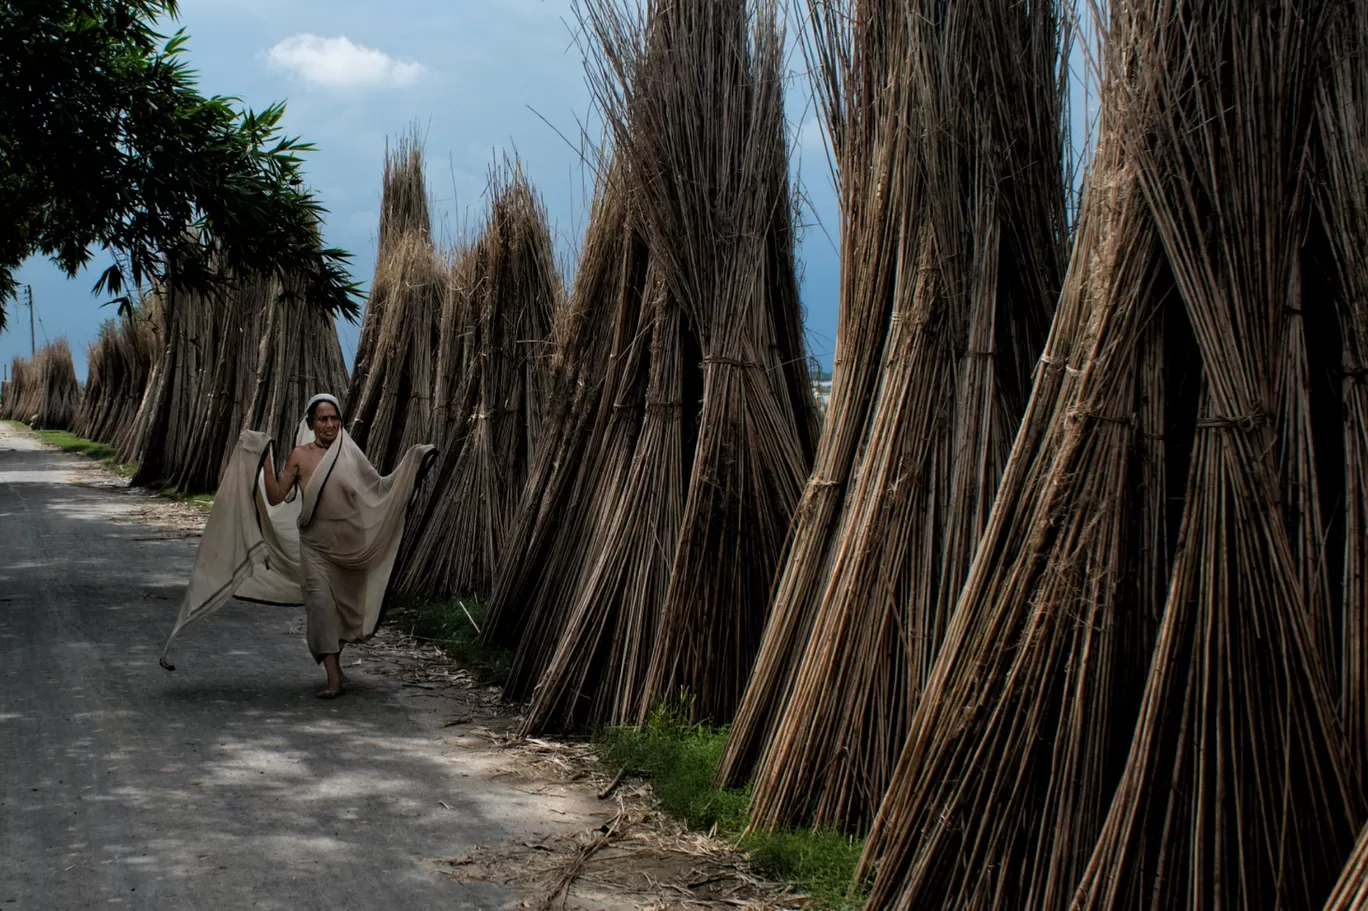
[[349, 521]]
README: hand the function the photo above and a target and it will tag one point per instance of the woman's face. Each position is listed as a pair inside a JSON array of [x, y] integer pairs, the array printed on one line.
[[327, 423]]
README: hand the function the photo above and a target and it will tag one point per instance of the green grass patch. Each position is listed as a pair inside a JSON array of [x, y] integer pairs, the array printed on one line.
[[100, 452], [452, 624], [204, 501], [680, 761], [105, 454]]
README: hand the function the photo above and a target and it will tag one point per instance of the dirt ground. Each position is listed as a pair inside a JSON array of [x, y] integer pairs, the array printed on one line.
[[586, 840]]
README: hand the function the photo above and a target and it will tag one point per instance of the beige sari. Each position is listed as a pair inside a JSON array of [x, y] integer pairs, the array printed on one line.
[[330, 547]]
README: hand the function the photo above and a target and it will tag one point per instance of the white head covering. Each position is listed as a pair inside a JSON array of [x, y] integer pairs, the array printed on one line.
[[322, 397], [304, 434]]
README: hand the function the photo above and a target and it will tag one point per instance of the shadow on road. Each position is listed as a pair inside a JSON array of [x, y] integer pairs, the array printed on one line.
[[222, 785]]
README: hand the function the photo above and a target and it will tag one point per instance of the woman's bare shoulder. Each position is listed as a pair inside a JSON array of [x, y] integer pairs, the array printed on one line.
[[307, 456]]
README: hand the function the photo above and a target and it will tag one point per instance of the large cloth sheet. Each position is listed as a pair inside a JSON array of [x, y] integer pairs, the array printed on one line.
[[331, 548]]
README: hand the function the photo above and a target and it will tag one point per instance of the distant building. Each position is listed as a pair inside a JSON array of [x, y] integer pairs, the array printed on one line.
[[821, 391]]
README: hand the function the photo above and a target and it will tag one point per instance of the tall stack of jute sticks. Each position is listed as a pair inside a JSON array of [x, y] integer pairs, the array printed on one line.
[[491, 391], [1342, 223], [655, 528], [119, 363], [187, 327], [954, 268], [247, 357], [693, 92], [597, 349], [640, 398], [42, 391], [1150, 675], [1238, 731], [298, 356], [860, 94], [541, 543], [271, 351], [223, 386], [389, 405]]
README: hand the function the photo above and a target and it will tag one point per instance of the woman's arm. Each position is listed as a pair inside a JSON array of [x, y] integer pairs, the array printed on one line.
[[278, 486]]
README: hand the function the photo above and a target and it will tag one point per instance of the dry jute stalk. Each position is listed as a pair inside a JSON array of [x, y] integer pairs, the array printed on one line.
[[42, 391], [971, 250], [693, 95], [389, 404], [496, 321], [119, 361]]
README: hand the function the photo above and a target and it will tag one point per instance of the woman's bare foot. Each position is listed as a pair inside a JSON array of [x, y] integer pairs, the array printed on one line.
[[336, 678]]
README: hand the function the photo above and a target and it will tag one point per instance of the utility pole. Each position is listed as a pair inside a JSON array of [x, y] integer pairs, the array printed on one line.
[[33, 342]]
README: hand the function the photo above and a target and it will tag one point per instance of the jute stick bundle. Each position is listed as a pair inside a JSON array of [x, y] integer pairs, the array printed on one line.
[[978, 236], [120, 360], [1238, 732], [510, 290], [389, 404], [693, 95], [544, 545], [598, 672], [394, 398], [455, 388], [226, 386], [596, 450], [170, 412], [1015, 779], [1343, 210], [1040, 636], [299, 356], [403, 211], [856, 55], [42, 391]]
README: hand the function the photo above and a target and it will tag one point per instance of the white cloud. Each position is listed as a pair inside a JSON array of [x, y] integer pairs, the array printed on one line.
[[810, 138], [340, 62]]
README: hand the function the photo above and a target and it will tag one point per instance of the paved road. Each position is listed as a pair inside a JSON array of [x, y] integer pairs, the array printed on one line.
[[224, 785]]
